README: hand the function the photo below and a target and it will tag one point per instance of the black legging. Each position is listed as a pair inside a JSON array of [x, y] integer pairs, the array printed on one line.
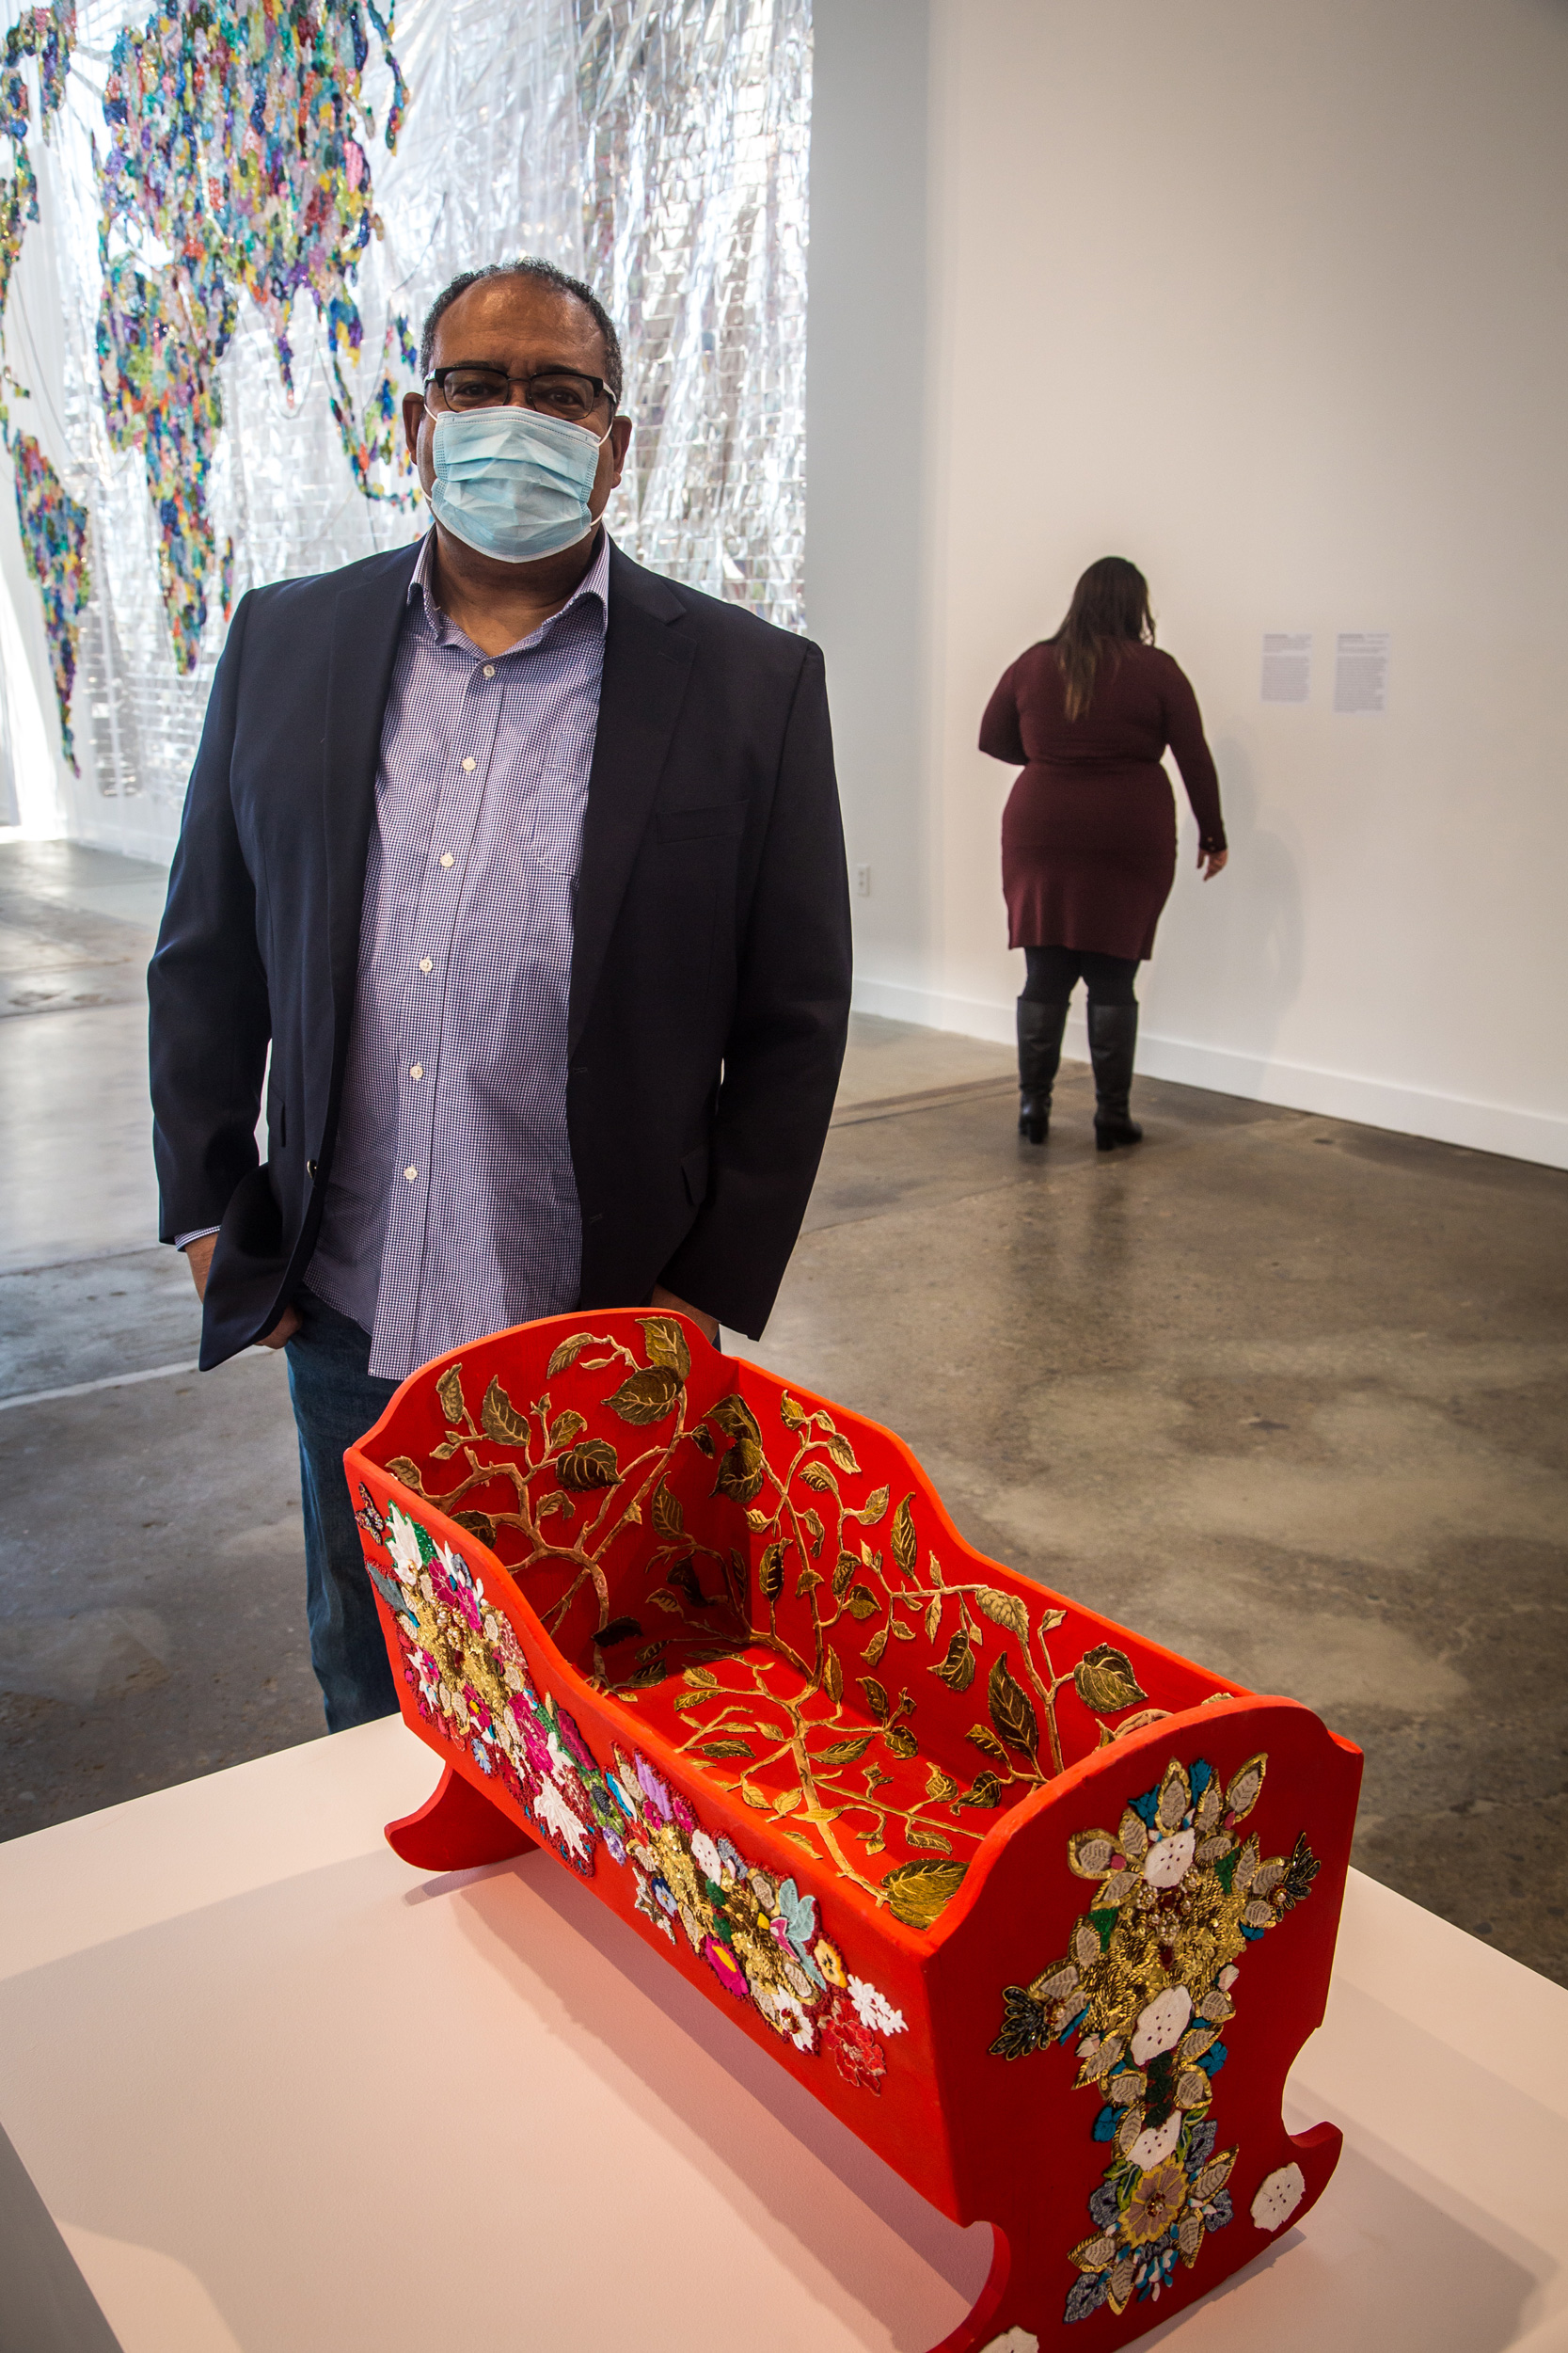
[[1052, 972]]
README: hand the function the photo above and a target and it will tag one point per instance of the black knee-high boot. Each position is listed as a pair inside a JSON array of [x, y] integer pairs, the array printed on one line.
[[1039, 1052], [1112, 1036]]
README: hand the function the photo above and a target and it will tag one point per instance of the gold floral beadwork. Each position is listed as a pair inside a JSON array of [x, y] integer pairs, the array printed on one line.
[[1146, 1985]]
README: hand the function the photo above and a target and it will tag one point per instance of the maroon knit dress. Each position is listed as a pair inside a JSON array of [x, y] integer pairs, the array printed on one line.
[[1088, 835]]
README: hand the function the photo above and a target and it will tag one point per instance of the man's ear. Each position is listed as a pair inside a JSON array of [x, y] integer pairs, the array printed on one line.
[[413, 416], [620, 441]]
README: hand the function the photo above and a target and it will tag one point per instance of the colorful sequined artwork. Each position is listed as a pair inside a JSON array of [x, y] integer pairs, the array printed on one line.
[[54, 526], [1148, 1986], [54, 543], [48, 34], [240, 142]]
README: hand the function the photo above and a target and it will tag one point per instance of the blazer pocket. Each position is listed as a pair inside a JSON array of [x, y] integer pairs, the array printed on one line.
[[694, 1169], [724, 821]]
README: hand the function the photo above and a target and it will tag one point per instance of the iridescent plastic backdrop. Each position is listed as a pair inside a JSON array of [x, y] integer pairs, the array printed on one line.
[[660, 150]]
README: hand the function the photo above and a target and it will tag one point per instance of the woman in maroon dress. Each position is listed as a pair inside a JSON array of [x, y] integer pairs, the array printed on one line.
[[1088, 836]]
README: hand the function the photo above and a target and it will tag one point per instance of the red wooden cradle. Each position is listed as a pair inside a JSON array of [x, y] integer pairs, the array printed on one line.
[[1006, 1885]]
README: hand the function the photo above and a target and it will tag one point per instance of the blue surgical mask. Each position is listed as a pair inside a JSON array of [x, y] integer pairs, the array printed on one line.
[[513, 482]]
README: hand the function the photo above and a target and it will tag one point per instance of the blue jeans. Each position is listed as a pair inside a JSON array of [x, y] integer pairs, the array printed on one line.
[[336, 1401]]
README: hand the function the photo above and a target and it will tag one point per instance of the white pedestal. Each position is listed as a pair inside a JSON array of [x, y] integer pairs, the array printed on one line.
[[280, 2094]]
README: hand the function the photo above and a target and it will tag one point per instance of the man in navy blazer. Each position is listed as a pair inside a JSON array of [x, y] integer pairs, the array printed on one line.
[[527, 866]]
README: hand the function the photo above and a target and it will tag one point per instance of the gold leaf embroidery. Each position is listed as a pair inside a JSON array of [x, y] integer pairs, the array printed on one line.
[[918, 1892], [568, 1353], [1105, 1680], [1247, 1787], [846, 1752], [906, 1549], [1011, 1708], [1004, 1609], [646, 1397], [1089, 1854], [666, 1344], [590, 1464], [957, 1669], [499, 1418]]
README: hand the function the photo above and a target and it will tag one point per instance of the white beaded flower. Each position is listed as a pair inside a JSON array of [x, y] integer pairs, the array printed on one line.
[[876, 2014], [1278, 2198]]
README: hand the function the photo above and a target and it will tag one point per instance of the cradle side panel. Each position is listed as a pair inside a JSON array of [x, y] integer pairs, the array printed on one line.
[[1117, 2008], [834, 1990]]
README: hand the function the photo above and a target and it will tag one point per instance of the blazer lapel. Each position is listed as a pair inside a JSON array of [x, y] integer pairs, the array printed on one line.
[[646, 665], [366, 627]]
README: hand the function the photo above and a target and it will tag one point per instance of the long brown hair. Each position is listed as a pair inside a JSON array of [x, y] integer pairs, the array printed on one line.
[[1109, 608]]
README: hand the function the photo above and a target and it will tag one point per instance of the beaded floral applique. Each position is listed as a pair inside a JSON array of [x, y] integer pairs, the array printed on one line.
[[1146, 1985], [761, 1937]]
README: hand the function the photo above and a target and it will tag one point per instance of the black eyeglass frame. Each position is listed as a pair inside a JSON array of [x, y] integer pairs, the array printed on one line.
[[439, 377]]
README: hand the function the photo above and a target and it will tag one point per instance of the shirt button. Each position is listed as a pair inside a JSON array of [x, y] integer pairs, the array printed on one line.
[[416, 1070], [468, 768], [446, 858], [410, 1175], [489, 669], [425, 964]]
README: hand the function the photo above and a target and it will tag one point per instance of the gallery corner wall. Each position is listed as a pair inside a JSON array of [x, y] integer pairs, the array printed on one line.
[[1275, 303]]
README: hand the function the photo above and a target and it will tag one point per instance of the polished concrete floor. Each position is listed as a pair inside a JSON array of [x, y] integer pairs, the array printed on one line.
[[1283, 1392]]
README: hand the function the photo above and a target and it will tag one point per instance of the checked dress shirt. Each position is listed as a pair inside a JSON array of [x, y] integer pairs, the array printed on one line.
[[451, 1207]]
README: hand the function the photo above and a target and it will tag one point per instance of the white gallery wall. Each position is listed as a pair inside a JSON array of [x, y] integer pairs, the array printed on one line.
[[1274, 301]]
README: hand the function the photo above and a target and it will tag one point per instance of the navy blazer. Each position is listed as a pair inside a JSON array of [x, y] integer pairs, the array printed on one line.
[[710, 959]]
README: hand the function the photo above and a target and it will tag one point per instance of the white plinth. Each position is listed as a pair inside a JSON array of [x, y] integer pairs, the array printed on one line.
[[282, 2094]]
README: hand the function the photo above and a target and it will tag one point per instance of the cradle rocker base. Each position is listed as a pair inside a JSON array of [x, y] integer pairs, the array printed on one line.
[[1026, 2266], [457, 1829], [1038, 1909]]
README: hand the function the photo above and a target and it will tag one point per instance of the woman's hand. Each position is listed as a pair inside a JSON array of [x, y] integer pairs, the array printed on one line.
[[1212, 862]]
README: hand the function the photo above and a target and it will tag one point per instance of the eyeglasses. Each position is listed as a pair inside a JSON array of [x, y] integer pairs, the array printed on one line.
[[553, 391]]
